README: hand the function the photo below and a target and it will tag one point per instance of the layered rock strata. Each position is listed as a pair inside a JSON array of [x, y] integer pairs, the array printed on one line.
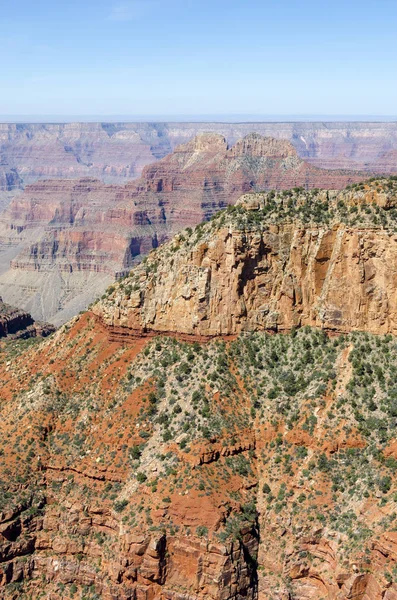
[[15, 324], [248, 466], [62, 229], [249, 271], [115, 152]]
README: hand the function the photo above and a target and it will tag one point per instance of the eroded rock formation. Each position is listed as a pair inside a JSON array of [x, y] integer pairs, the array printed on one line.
[[60, 236], [116, 152], [15, 324], [268, 275]]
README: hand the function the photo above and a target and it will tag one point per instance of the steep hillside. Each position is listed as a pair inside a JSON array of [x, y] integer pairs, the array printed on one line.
[[171, 450], [66, 240]]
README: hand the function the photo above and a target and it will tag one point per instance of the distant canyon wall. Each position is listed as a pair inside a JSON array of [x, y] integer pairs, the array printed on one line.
[[116, 152]]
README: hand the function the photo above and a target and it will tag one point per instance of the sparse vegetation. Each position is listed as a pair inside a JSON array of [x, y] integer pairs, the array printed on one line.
[[283, 438]]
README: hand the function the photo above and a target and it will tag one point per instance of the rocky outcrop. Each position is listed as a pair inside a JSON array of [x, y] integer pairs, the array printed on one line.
[[15, 323], [270, 276], [63, 230], [180, 467]]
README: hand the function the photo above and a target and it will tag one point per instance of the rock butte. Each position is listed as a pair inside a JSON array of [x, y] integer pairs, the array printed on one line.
[[63, 241]]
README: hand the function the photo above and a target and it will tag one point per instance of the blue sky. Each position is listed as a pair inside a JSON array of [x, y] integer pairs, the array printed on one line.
[[185, 57]]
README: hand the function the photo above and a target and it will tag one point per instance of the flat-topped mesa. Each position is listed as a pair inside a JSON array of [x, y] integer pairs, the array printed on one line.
[[273, 262], [16, 323]]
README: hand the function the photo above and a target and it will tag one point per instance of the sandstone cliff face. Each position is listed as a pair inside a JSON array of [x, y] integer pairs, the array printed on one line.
[[250, 466], [269, 276], [60, 227]]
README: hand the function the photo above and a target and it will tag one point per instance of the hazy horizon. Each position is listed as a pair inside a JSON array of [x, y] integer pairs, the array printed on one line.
[[59, 119]]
